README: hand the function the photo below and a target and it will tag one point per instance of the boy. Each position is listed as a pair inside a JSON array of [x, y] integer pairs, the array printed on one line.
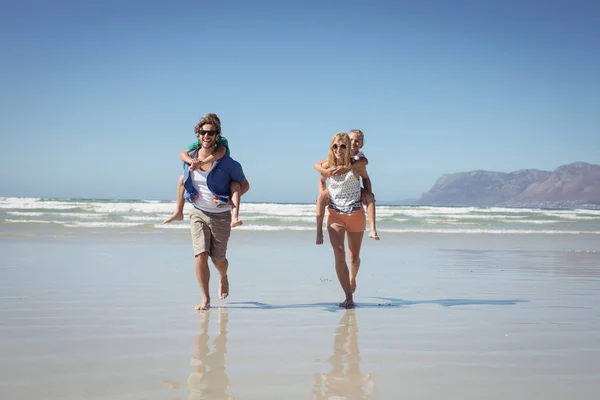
[[221, 149], [368, 198]]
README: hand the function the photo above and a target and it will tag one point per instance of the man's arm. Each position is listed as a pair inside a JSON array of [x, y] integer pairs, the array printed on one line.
[[244, 187]]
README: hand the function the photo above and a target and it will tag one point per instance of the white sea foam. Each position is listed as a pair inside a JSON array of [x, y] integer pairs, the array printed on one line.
[[73, 215], [30, 221], [149, 214], [491, 231], [101, 225]]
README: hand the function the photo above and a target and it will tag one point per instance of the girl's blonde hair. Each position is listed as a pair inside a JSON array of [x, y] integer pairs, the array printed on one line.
[[331, 160]]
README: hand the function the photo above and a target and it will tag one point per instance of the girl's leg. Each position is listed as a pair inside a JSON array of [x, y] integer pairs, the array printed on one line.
[[322, 201], [336, 237], [370, 203], [354, 245], [178, 214], [235, 200]]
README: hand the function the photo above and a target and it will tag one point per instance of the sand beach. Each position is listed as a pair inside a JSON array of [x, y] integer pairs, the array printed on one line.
[[106, 314]]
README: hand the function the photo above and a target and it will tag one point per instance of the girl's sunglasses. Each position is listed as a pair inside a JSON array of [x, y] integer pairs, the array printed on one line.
[[335, 147]]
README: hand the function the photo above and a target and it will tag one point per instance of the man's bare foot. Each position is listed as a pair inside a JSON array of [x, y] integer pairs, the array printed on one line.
[[236, 222], [319, 237], [177, 216], [224, 287], [205, 305], [353, 284], [348, 303], [173, 384], [374, 235]]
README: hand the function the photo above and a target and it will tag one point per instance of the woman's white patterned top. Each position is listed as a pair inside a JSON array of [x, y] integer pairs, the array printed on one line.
[[344, 193]]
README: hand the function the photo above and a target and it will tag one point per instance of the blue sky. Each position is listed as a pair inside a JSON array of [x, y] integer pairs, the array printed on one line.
[[98, 98]]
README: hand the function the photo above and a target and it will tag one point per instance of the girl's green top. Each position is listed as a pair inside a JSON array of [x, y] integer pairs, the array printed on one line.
[[221, 142]]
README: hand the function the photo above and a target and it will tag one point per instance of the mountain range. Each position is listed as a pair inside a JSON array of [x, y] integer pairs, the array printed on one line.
[[568, 186]]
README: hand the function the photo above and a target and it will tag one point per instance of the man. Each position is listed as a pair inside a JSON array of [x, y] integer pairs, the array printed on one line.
[[211, 225]]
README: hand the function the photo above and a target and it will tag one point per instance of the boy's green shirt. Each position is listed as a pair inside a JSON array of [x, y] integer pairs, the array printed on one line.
[[221, 142]]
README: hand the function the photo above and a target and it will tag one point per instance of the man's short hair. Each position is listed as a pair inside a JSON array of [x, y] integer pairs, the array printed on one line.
[[210, 118]]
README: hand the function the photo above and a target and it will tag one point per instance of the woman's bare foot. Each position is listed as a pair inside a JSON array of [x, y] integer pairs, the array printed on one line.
[[177, 216], [374, 235], [319, 236], [224, 287], [348, 303], [236, 222], [205, 305], [353, 284]]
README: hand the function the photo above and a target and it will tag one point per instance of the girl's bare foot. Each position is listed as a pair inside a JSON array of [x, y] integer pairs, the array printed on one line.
[[177, 216], [224, 287], [236, 222], [205, 305], [374, 235], [319, 236]]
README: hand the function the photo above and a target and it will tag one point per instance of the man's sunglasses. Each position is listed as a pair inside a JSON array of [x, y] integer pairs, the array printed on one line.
[[209, 133], [335, 147]]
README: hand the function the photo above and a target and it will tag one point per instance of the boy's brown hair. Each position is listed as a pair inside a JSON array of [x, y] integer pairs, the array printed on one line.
[[359, 133]]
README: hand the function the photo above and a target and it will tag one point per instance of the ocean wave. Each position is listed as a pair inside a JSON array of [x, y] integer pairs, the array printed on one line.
[[149, 214]]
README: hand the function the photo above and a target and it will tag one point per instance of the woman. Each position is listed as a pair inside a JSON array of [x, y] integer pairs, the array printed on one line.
[[346, 214]]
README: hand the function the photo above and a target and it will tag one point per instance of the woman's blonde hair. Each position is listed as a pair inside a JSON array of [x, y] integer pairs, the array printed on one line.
[[331, 160]]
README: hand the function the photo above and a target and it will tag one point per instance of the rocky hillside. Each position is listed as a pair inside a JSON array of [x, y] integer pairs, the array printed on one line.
[[572, 185]]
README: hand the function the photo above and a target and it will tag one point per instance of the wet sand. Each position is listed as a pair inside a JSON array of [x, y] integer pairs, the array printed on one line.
[[101, 316]]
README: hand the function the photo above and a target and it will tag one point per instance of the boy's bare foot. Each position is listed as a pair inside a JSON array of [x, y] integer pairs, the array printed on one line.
[[177, 216], [353, 284], [205, 305], [348, 303], [374, 235], [224, 287], [236, 222], [319, 236]]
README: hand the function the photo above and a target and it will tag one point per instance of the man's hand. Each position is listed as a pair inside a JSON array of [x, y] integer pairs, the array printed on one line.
[[216, 200]]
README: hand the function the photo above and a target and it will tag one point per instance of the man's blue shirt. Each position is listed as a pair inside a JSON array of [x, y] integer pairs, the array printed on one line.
[[219, 179]]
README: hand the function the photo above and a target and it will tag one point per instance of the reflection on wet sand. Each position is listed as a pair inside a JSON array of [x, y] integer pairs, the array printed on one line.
[[208, 379], [345, 379]]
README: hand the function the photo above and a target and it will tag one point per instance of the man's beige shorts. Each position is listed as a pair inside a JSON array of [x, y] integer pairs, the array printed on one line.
[[210, 232]]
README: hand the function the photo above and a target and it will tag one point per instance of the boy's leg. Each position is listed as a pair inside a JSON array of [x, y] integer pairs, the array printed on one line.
[[322, 201], [178, 214], [235, 200], [369, 199]]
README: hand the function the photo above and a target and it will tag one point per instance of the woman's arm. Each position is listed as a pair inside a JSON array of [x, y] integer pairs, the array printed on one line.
[[322, 183]]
